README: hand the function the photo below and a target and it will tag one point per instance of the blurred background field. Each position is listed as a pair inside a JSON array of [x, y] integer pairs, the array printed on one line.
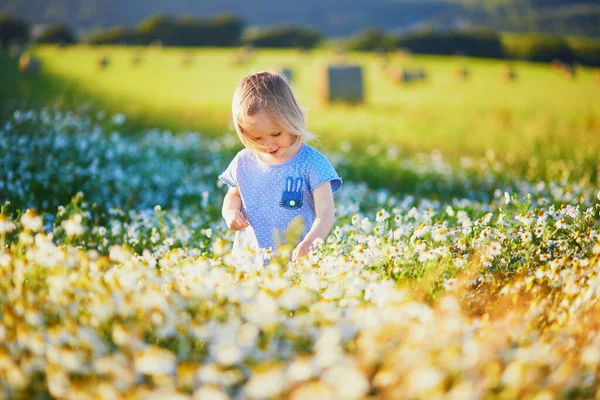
[[541, 111]]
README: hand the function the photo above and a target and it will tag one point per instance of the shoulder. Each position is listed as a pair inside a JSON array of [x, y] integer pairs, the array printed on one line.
[[243, 157], [244, 153], [313, 153], [321, 170], [314, 156]]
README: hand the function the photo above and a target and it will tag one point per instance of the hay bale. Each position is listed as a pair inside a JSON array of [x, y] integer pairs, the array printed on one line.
[[568, 70], [342, 83], [508, 73], [556, 64], [404, 75], [243, 56], [420, 74], [136, 60], [404, 52], [565, 69], [288, 73], [29, 64], [155, 45], [396, 75], [571, 70], [463, 73], [103, 62], [186, 60]]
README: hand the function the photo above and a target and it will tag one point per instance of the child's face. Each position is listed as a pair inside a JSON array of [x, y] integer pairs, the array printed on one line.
[[277, 144]]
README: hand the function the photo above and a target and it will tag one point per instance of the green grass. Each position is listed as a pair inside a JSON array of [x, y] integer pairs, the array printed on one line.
[[537, 114]]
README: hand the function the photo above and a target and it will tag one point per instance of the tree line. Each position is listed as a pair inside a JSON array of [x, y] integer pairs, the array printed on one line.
[[225, 30], [483, 43], [228, 30]]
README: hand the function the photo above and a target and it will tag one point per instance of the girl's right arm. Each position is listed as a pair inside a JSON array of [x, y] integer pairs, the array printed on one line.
[[232, 210]]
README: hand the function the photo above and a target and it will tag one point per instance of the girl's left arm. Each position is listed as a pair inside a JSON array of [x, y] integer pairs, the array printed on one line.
[[325, 217]]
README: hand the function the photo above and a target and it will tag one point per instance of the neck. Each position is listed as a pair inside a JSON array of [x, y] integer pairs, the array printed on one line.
[[293, 150]]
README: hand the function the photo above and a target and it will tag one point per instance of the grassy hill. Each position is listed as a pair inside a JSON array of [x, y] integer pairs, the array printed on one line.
[[537, 112]]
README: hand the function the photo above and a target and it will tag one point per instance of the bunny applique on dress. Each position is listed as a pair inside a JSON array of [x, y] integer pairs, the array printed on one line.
[[275, 194], [292, 196]]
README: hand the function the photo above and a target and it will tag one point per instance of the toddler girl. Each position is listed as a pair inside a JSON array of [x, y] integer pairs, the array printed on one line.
[[277, 177]]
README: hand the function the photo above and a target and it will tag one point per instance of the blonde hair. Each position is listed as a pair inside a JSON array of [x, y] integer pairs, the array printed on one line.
[[269, 92]]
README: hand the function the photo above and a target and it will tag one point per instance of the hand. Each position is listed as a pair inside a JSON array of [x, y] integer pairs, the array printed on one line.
[[235, 220], [301, 250]]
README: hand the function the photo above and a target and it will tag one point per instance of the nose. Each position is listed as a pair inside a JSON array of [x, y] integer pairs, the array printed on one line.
[[270, 143]]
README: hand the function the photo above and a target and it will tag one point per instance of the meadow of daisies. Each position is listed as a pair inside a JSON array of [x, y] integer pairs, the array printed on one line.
[[117, 283]]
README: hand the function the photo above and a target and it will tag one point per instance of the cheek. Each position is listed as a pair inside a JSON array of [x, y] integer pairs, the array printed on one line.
[[287, 141]]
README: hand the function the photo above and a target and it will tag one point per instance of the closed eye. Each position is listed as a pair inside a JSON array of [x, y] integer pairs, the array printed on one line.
[[276, 134]]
